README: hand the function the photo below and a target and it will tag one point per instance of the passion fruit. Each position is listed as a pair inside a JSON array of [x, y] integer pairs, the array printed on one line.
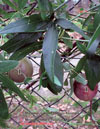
[[83, 92], [22, 71]]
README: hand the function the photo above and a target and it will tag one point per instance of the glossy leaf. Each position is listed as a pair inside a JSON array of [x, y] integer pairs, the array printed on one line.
[[66, 41], [92, 70], [9, 84], [4, 114], [7, 65], [81, 47], [66, 24], [22, 52], [50, 45], [87, 21], [58, 71], [79, 78], [79, 67], [32, 23], [96, 19], [94, 37], [93, 47], [46, 82], [67, 67], [45, 7], [20, 40]]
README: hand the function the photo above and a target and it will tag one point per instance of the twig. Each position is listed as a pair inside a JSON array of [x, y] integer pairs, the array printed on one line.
[[74, 5], [61, 5], [33, 6]]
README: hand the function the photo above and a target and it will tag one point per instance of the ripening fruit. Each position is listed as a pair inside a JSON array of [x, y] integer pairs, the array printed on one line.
[[83, 92], [22, 71]]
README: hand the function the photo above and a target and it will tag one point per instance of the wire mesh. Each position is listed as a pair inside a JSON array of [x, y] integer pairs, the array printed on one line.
[[61, 115]]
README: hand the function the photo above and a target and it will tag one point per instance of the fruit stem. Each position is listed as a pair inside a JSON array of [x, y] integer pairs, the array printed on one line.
[[91, 118]]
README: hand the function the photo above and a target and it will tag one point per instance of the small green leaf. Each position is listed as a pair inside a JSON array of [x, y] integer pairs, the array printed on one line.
[[21, 4], [96, 36], [8, 2], [67, 66], [79, 78], [3, 12], [79, 67], [95, 106], [81, 47], [7, 65], [4, 114], [45, 7], [96, 19], [11, 86], [87, 21], [66, 41]]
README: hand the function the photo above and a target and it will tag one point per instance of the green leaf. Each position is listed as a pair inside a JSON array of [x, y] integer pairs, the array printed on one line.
[[66, 24], [67, 66], [8, 2], [4, 114], [96, 36], [19, 41], [66, 41], [7, 65], [9, 84], [96, 19], [95, 105], [3, 123], [81, 47], [50, 45], [79, 67], [45, 7], [58, 71], [2, 12], [79, 78], [32, 23], [46, 82], [87, 21], [21, 3], [93, 47], [22, 52], [1, 57], [92, 70]]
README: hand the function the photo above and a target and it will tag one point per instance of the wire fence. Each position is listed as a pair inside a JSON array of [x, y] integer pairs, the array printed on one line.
[[45, 113], [62, 112]]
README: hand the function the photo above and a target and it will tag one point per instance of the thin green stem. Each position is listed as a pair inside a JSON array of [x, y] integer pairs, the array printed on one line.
[[85, 12], [75, 39]]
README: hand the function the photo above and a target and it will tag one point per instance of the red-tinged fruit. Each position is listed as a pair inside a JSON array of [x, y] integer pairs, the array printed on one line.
[[22, 71], [83, 92]]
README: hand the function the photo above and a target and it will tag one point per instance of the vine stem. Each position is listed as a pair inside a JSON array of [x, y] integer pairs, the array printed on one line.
[[91, 115]]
